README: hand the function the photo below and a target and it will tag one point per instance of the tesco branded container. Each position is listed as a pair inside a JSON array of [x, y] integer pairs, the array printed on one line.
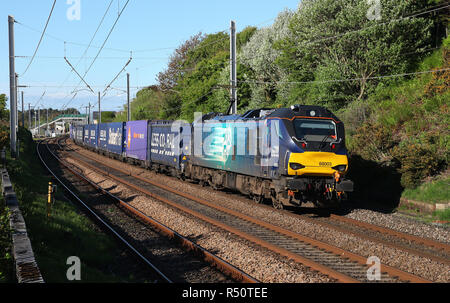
[[167, 142]]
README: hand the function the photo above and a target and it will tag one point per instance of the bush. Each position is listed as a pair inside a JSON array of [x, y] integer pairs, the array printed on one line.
[[373, 142], [418, 161], [6, 264], [4, 136]]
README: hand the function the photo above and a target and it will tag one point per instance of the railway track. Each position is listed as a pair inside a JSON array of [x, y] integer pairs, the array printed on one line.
[[335, 262], [423, 247], [44, 157], [419, 246], [189, 262]]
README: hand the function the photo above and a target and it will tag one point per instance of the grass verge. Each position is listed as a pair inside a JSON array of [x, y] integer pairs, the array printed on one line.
[[67, 232], [6, 261], [436, 191]]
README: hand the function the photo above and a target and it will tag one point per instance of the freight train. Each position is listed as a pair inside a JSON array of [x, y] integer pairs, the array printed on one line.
[[288, 156]]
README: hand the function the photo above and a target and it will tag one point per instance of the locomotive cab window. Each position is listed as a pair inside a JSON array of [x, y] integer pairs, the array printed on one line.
[[315, 130]]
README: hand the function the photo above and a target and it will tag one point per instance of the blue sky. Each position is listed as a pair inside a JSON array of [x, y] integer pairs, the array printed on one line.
[[151, 29]]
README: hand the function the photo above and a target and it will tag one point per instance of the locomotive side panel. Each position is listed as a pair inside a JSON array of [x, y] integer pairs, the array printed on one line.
[[244, 147]]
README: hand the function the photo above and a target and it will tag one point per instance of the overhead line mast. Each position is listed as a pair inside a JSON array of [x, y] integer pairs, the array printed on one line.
[[12, 89], [233, 69]]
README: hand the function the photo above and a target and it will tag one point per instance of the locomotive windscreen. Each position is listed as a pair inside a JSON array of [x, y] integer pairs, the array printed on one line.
[[315, 130]]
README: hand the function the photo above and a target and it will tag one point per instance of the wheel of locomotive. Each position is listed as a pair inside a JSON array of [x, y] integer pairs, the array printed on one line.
[[258, 199], [276, 202], [214, 185]]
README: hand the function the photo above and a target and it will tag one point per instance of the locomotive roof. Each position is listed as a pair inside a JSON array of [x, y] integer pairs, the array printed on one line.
[[296, 111]]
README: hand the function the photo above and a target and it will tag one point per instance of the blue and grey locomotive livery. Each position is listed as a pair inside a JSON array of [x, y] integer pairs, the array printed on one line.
[[286, 155]]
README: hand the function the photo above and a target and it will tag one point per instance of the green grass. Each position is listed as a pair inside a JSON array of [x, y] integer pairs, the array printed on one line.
[[66, 233], [6, 261], [426, 218], [443, 215], [436, 191]]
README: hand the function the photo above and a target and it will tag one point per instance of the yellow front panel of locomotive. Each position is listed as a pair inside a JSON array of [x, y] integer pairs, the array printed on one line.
[[317, 163]]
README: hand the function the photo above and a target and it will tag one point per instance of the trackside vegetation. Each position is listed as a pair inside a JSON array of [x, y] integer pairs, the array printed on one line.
[[6, 262]]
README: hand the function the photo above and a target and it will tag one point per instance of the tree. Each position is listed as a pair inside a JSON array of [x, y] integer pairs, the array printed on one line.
[[4, 113], [4, 118], [170, 77], [259, 55], [204, 85], [335, 40]]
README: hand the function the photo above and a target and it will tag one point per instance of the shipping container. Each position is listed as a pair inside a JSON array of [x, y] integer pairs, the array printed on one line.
[[93, 130], [115, 138], [169, 141], [102, 136], [136, 139], [79, 134], [71, 131], [86, 139]]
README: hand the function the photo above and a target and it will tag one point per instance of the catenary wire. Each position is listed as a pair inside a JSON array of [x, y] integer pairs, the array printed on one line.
[[40, 40]]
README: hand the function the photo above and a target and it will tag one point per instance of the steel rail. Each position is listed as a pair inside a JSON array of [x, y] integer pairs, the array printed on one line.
[[394, 272], [363, 235], [418, 240], [335, 250], [307, 262], [97, 217], [216, 261], [437, 247]]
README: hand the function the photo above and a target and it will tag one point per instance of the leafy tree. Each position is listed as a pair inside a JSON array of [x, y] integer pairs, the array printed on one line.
[[259, 55], [146, 105], [169, 78], [108, 116], [205, 87], [4, 125], [4, 113], [332, 39]]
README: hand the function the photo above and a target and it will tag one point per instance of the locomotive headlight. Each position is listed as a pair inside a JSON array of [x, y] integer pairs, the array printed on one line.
[[296, 166], [340, 168]]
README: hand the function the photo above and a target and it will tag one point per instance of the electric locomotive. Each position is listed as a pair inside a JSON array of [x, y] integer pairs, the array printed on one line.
[[316, 159], [288, 155]]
